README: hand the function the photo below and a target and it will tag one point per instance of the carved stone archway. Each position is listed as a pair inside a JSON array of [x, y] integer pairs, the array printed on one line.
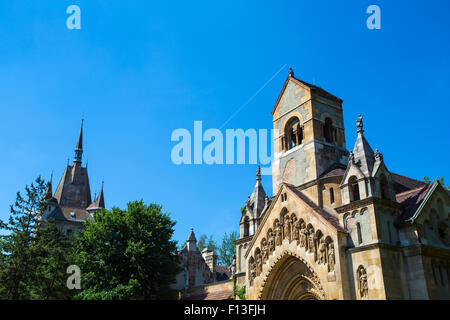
[[291, 278]]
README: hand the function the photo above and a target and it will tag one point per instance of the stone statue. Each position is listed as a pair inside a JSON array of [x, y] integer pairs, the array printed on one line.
[[265, 251], [359, 124], [295, 228], [363, 289], [271, 242], [378, 155], [252, 270], [311, 240], [258, 264], [316, 246], [287, 227], [303, 235], [322, 252], [331, 258], [277, 233]]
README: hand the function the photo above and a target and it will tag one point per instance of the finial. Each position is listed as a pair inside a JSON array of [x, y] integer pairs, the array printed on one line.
[[68, 159], [291, 72], [378, 155], [258, 174], [359, 124], [103, 182], [351, 157], [51, 177]]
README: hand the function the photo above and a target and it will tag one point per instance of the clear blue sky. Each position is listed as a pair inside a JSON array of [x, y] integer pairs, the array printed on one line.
[[141, 69]]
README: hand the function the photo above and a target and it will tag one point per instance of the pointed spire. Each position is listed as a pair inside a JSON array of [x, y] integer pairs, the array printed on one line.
[[257, 200], [79, 147], [49, 191], [258, 174], [191, 242], [362, 154]]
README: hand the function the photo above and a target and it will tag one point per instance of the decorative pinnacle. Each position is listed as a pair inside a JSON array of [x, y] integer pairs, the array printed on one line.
[[359, 124], [258, 174], [291, 72]]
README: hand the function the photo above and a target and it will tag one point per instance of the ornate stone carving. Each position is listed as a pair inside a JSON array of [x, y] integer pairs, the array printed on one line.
[[287, 227], [362, 282], [295, 228], [322, 252], [331, 258], [258, 263], [252, 266], [271, 238], [311, 247], [303, 235], [277, 233], [264, 250]]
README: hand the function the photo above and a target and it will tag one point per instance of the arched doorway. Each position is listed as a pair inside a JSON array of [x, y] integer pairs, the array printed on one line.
[[291, 279]]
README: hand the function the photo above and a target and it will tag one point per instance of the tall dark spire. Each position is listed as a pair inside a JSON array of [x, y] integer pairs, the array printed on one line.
[[79, 147]]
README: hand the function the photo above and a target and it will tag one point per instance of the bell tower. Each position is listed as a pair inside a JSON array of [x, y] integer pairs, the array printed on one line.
[[309, 135]]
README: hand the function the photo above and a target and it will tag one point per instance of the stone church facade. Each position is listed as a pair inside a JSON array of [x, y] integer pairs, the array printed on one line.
[[340, 225]]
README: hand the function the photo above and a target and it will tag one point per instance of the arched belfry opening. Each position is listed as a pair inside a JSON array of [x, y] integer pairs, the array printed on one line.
[[329, 132], [354, 189], [291, 279], [293, 134]]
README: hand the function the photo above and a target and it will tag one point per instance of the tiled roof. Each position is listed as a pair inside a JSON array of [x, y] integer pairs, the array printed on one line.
[[329, 217], [224, 269], [225, 294], [411, 200], [402, 183], [333, 171]]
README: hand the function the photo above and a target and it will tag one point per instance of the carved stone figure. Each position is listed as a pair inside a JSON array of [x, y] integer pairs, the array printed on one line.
[[277, 233], [362, 280], [322, 252], [252, 270], [287, 227], [258, 264], [295, 229], [311, 247], [331, 258], [271, 242], [316, 246], [265, 251], [303, 235]]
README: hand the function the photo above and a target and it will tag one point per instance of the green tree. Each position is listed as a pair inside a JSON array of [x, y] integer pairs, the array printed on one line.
[[227, 249], [34, 254], [16, 246], [206, 242], [54, 253], [127, 254], [426, 179]]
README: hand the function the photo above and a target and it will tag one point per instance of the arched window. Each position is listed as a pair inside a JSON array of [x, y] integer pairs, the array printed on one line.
[[331, 195], [328, 131], [354, 188], [359, 234], [293, 134], [246, 227], [383, 187]]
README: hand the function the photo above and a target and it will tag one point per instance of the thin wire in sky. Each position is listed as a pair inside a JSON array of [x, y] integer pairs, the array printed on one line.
[[252, 97]]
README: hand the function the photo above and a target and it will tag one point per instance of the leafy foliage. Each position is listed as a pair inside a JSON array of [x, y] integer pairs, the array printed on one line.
[[127, 254], [227, 249], [207, 242], [238, 292], [34, 255], [426, 179]]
